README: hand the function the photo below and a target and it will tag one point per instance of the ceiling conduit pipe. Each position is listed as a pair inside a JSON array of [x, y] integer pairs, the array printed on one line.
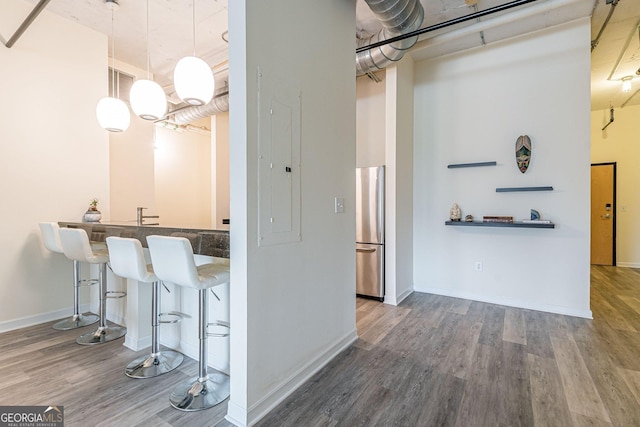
[[531, 11], [398, 17]]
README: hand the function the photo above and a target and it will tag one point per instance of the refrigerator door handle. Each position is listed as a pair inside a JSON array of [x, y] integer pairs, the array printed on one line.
[[365, 250]]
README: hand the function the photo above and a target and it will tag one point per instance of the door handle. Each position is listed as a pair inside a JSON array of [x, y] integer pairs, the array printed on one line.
[[365, 250], [605, 216]]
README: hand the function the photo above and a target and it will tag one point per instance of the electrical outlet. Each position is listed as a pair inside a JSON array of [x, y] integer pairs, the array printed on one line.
[[478, 266], [339, 205]]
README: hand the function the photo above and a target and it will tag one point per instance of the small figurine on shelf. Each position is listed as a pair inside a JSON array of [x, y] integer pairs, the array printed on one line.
[[92, 214], [468, 218], [454, 213]]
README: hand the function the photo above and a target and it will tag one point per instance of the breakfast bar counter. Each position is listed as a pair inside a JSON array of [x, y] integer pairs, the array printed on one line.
[[213, 243]]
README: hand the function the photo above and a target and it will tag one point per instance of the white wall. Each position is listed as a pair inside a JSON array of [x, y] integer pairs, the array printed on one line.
[[292, 305], [472, 107], [54, 156], [131, 170], [399, 181], [620, 143], [220, 170], [370, 121], [182, 178]]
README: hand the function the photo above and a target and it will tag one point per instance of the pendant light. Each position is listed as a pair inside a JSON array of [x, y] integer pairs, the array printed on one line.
[[192, 77], [112, 113], [147, 98]]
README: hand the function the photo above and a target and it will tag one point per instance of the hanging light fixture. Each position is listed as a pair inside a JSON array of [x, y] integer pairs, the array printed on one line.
[[147, 98], [192, 77], [626, 83], [112, 113]]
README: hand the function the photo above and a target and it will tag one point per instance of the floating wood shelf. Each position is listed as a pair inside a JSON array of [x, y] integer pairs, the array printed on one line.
[[471, 165], [516, 224], [514, 189]]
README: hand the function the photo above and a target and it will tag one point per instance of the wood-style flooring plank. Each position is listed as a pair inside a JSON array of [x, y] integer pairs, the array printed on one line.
[[514, 326], [580, 391], [547, 395], [632, 379]]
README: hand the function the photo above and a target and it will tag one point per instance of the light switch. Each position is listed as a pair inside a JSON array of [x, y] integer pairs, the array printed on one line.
[[339, 204]]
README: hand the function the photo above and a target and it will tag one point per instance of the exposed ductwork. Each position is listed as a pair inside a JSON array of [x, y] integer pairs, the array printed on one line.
[[219, 104], [398, 17]]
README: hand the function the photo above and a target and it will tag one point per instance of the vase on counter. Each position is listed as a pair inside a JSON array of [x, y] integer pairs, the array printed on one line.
[[92, 214]]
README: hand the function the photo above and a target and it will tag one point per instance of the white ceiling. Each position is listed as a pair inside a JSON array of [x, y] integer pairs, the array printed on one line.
[[170, 33], [616, 55]]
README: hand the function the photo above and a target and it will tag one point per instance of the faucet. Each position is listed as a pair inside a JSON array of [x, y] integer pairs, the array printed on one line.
[[140, 217]]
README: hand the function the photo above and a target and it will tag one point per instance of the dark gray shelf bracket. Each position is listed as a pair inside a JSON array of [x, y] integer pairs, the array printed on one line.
[[513, 189], [471, 165]]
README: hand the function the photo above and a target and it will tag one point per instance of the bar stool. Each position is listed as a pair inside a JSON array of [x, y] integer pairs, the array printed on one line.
[[127, 260], [173, 262], [76, 246], [51, 238]]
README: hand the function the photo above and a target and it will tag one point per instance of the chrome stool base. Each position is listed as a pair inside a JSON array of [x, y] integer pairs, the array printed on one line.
[[102, 335], [75, 322], [195, 395], [153, 365]]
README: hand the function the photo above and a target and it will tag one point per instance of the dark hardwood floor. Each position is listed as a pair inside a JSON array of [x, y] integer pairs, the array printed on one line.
[[432, 361]]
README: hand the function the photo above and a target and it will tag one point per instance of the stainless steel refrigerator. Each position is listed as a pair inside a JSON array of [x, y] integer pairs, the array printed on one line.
[[370, 232]]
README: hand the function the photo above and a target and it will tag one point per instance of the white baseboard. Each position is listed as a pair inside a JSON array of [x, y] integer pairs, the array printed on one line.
[[136, 343], [403, 295], [397, 299], [628, 264], [36, 319], [236, 415], [510, 302]]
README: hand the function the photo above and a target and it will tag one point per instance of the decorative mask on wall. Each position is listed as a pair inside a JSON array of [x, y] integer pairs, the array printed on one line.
[[523, 152]]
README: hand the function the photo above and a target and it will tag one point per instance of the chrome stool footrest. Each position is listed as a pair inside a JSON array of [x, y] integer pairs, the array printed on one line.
[[221, 324], [174, 317], [115, 294], [88, 282]]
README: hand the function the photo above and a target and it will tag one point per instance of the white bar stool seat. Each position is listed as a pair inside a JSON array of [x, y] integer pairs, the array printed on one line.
[[76, 246], [51, 238], [173, 262], [126, 258]]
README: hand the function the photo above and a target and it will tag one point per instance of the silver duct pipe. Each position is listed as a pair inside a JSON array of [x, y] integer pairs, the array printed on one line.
[[397, 17], [219, 104]]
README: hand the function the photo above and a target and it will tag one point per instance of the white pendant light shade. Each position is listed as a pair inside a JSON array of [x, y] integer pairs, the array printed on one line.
[[193, 81], [113, 114], [148, 100]]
